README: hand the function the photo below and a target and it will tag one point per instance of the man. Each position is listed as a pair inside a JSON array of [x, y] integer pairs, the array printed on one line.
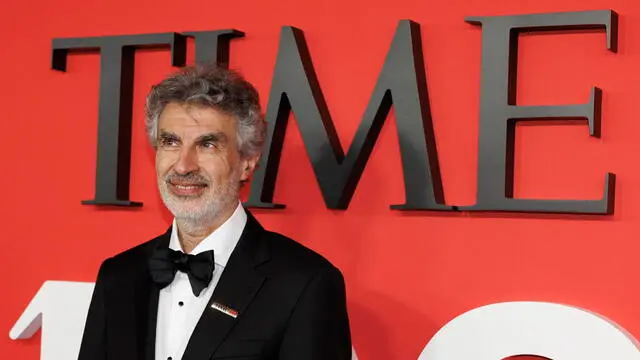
[[216, 285]]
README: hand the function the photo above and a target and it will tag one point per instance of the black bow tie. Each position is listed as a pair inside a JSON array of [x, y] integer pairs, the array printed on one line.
[[165, 262]]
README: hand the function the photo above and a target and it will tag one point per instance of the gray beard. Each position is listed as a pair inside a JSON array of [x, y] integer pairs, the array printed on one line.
[[212, 204]]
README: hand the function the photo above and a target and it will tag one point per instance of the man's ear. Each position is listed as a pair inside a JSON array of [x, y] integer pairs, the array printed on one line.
[[248, 167]]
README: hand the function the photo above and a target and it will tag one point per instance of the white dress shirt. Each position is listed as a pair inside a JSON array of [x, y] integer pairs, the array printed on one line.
[[178, 309]]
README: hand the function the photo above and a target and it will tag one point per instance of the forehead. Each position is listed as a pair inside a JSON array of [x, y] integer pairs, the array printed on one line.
[[193, 118]]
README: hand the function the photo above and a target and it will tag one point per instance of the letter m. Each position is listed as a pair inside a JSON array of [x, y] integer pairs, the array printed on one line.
[[402, 83]]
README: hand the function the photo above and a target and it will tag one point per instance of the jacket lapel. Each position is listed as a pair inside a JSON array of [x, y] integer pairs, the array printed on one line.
[[146, 302], [238, 285]]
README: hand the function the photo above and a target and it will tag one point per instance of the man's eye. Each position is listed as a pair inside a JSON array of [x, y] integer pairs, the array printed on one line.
[[168, 142], [208, 145]]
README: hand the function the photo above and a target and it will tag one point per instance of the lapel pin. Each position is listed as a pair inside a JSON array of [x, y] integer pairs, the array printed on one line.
[[224, 309]]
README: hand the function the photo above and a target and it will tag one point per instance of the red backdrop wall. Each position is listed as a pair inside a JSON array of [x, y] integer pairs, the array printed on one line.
[[407, 274]]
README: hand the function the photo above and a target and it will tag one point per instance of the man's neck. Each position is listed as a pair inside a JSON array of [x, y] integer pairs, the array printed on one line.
[[192, 233]]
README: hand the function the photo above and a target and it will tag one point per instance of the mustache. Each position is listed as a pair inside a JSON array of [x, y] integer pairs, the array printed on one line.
[[191, 178]]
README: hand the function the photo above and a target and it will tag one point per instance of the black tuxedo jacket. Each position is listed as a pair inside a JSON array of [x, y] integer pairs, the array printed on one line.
[[291, 305]]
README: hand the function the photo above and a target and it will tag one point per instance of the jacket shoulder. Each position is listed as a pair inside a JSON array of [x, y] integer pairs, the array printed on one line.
[[136, 255], [292, 256]]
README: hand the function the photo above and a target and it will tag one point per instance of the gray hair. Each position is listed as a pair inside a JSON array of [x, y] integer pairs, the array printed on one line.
[[216, 87]]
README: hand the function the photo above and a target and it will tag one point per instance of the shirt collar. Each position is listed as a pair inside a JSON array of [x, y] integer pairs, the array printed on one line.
[[222, 240]]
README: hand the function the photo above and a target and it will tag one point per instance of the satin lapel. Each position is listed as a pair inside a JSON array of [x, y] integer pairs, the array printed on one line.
[[236, 289], [146, 303]]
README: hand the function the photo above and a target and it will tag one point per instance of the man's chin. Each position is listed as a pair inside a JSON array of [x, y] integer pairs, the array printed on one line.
[[184, 206], [191, 214]]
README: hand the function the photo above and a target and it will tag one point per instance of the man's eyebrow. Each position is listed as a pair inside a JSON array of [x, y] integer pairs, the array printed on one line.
[[167, 135], [214, 137]]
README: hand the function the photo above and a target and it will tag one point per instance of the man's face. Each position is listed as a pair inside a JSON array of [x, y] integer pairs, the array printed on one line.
[[198, 162]]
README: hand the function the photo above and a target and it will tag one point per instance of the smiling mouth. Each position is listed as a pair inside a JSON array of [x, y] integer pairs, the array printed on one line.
[[186, 189]]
